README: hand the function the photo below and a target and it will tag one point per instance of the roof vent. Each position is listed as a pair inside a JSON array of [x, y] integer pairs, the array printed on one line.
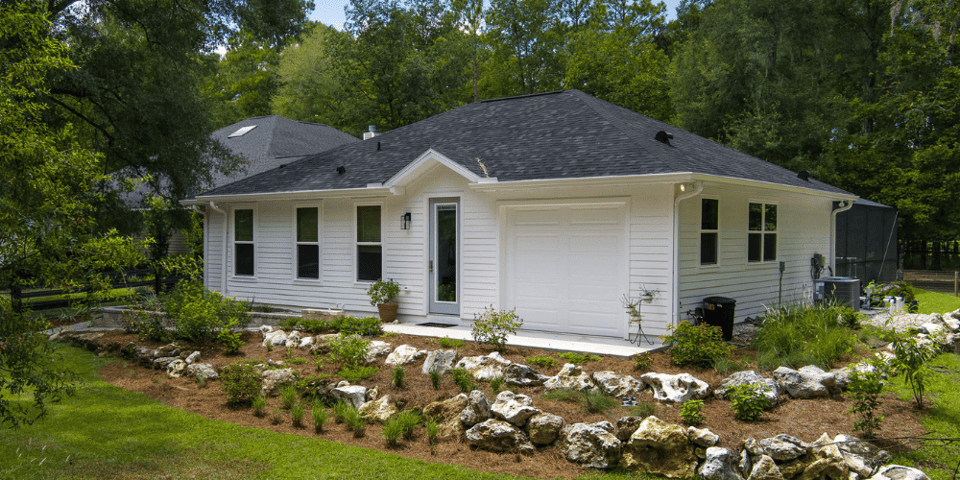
[[282, 165], [341, 170], [663, 137], [378, 146], [804, 175], [242, 131], [371, 133]]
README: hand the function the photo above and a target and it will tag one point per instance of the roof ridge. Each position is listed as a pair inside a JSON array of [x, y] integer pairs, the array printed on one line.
[[632, 134], [517, 97]]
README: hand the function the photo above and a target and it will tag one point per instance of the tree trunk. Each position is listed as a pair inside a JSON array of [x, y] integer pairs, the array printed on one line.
[[936, 256]]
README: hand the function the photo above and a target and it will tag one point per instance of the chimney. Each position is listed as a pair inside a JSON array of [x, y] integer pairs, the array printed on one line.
[[370, 134]]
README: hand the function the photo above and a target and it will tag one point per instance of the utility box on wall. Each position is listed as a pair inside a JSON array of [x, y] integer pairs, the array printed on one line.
[[843, 290]]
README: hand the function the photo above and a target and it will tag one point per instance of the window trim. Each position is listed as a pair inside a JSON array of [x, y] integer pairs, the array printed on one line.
[[763, 232], [295, 263], [357, 243], [701, 231], [233, 241]]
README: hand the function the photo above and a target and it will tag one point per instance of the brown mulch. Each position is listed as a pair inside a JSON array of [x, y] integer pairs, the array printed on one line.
[[805, 419]]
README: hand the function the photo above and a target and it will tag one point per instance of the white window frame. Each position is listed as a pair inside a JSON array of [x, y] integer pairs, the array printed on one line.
[[295, 244], [357, 243], [701, 231], [763, 232], [234, 242]]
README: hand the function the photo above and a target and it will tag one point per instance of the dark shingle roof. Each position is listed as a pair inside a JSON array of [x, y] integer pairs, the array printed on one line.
[[556, 135]]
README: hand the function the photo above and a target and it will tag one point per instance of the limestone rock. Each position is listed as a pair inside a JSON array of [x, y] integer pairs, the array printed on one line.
[[544, 428], [293, 339], [720, 464], [571, 377], [661, 448], [590, 444], [355, 395], [897, 472], [782, 448], [378, 410], [440, 361], [675, 388], [485, 368], [403, 355], [771, 387], [499, 436], [321, 343], [273, 379], [377, 349], [617, 385], [274, 338], [193, 358], [447, 414], [808, 382], [861, 457], [477, 409], [162, 362], [524, 376], [513, 408], [703, 437], [305, 342], [952, 321], [176, 368], [765, 469], [202, 371], [825, 468]]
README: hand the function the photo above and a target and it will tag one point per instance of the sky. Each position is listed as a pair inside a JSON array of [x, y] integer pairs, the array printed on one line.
[[331, 12]]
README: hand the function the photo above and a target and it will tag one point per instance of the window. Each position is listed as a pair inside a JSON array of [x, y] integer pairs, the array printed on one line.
[[243, 242], [762, 233], [369, 246], [308, 242], [709, 230]]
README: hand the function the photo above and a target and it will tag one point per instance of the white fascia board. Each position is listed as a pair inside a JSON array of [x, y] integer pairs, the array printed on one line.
[[297, 195], [774, 186], [426, 160]]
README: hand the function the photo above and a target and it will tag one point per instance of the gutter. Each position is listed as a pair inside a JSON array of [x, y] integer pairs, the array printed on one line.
[[223, 248], [675, 304], [844, 206]]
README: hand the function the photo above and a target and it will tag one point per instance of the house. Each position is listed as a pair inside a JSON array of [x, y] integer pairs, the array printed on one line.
[[555, 204]]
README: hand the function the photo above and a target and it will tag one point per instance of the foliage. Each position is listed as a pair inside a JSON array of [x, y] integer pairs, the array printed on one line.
[[433, 429], [594, 401], [435, 379], [259, 403], [296, 415], [351, 416], [542, 361], [398, 374], [340, 411], [911, 360], [645, 410], [355, 373], [241, 382], [288, 394], [319, 415], [463, 379], [695, 344], [747, 401], [201, 315], [297, 361], [642, 361], [391, 431], [726, 365], [277, 416], [825, 339], [150, 326], [383, 291], [348, 350], [496, 383], [577, 358], [446, 342], [156, 219], [492, 327], [850, 318], [367, 326], [865, 388], [690, 412]]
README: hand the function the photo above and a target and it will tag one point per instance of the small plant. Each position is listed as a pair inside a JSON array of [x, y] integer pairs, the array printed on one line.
[[356, 423], [864, 388], [597, 402], [690, 412], [849, 318], [492, 327], [288, 394], [269, 347], [359, 372], [319, 416], [340, 411], [450, 342], [318, 362], [259, 403], [398, 374], [296, 415], [383, 291], [542, 362], [725, 365], [348, 350], [695, 344], [240, 382], [277, 416], [563, 395], [432, 430], [392, 431], [230, 339], [297, 361], [289, 353], [642, 361], [911, 361], [578, 358], [408, 420], [496, 383], [645, 410], [463, 379], [435, 379], [747, 401]]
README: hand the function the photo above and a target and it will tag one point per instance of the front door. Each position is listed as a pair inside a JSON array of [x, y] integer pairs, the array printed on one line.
[[444, 262]]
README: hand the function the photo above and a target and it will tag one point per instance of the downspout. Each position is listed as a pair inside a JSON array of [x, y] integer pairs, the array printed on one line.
[[844, 206], [223, 248], [675, 304]]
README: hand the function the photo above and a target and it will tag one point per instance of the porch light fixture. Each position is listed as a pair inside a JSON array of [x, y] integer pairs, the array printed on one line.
[[405, 220]]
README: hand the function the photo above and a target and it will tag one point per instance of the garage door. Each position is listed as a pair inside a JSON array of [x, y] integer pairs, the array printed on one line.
[[565, 266]]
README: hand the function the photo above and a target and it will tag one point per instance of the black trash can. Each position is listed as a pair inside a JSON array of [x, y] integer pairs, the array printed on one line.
[[718, 312]]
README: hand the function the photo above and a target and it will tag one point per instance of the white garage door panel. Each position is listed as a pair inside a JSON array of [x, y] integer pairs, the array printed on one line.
[[566, 267]]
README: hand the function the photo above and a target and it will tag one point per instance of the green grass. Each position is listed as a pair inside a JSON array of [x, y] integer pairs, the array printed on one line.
[[941, 417], [933, 302], [106, 432]]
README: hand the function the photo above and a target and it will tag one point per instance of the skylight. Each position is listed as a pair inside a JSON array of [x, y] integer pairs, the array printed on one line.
[[241, 131]]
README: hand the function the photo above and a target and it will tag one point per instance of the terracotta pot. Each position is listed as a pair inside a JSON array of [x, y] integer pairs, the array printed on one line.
[[388, 311]]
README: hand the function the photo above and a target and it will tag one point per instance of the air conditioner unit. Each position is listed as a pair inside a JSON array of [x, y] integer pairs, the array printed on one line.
[[843, 290]]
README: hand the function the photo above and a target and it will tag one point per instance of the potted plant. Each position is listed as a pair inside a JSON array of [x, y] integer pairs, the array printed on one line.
[[648, 294], [382, 293]]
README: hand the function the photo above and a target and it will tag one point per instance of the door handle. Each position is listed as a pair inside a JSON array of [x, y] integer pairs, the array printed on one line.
[[431, 266]]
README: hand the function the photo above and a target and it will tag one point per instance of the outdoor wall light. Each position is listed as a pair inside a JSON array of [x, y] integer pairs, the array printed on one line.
[[405, 221]]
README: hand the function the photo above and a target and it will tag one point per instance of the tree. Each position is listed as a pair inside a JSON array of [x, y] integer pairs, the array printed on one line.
[[526, 48], [46, 198], [246, 79]]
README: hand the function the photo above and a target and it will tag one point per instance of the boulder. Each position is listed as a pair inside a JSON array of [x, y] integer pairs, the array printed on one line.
[[826, 469], [808, 382], [521, 375], [897, 472], [617, 385], [273, 379], [675, 388], [720, 464], [193, 358], [162, 362], [379, 410], [702, 437], [771, 388], [513, 408], [783, 448], [626, 426], [661, 448], [544, 428], [377, 349], [861, 457], [403, 355], [321, 343], [592, 445], [447, 414], [355, 395], [477, 409], [499, 436], [293, 339], [176, 368], [202, 371], [440, 361], [485, 368], [305, 342], [571, 377], [765, 469], [274, 338], [952, 321]]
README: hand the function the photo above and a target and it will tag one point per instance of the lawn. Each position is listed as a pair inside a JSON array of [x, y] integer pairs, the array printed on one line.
[[933, 302]]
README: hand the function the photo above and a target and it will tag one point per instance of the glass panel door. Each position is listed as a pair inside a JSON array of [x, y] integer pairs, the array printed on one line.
[[444, 268]]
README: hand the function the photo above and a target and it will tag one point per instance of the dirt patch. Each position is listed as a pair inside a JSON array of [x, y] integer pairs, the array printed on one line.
[[805, 419]]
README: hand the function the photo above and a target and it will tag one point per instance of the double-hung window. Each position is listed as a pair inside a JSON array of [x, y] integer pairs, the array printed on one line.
[[308, 243], [243, 235], [709, 230], [762, 233], [369, 245]]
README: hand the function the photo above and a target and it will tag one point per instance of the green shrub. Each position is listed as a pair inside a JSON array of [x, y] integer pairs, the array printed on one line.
[[542, 362], [288, 394], [408, 420], [432, 430], [398, 374], [642, 361], [563, 395], [383, 291], [297, 361], [367, 326], [492, 327], [463, 379], [392, 431], [241, 382], [319, 415], [296, 415], [645, 410], [496, 383], [340, 411], [911, 361], [849, 318], [259, 403], [865, 388], [690, 412], [695, 344], [747, 401], [435, 379], [726, 365], [356, 423], [824, 339], [348, 350], [578, 358], [201, 314], [597, 402], [147, 325], [277, 416], [358, 372], [450, 342]]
